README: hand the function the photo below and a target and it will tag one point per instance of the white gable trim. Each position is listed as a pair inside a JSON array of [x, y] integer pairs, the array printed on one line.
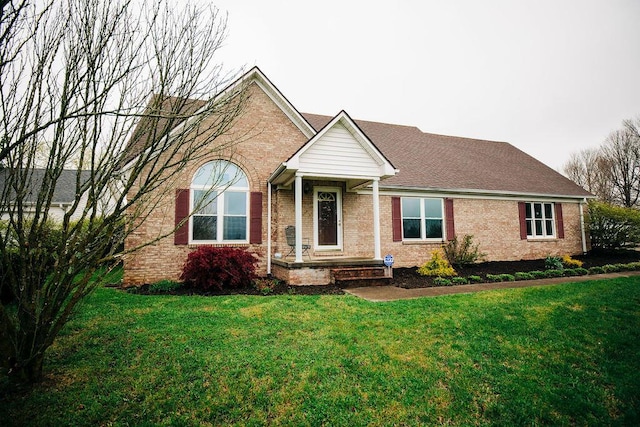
[[258, 77], [378, 165]]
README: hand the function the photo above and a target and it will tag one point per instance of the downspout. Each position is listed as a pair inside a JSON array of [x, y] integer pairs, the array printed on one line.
[[582, 228], [269, 228]]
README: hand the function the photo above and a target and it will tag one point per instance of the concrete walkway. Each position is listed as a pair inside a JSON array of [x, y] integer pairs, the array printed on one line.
[[393, 293]]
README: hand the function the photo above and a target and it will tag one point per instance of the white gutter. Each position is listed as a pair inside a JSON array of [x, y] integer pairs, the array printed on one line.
[[582, 228], [268, 228]]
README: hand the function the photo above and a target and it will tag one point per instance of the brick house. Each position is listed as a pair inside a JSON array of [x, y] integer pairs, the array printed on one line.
[[355, 191]]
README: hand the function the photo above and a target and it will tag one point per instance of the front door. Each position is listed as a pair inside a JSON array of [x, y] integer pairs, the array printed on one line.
[[327, 209]]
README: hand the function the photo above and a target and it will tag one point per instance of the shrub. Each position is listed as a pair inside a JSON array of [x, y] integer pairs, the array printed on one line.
[[623, 267], [554, 273], [494, 278], [523, 276], [612, 226], [633, 266], [596, 270], [571, 272], [475, 279], [265, 285], [459, 280], [460, 253], [164, 287], [569, 262], [437, 266], [211, 267], [441, 281], [611, 268], [581, 271], [507, 277], [553, 263], [537, 274]]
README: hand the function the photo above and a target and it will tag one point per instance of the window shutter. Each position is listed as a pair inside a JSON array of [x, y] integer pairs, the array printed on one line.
[[181, 235], [396, 219], [255, 218], [522, 210], [448, 218], [559, 221]]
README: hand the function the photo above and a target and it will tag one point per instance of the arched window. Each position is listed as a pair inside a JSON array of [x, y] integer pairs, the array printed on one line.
[[220, 203]]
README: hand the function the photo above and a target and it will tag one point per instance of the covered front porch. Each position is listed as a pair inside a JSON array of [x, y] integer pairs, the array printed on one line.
[[332, 184]]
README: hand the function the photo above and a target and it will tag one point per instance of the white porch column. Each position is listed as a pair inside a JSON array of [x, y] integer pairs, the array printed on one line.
[[376, 220], [298, 203]]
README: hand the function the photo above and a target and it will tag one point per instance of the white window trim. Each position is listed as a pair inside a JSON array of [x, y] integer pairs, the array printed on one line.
[[220, 200], [554, 225], [423, 229]]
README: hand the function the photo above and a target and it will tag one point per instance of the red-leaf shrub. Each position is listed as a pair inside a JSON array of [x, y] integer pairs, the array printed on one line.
[[219, 267]]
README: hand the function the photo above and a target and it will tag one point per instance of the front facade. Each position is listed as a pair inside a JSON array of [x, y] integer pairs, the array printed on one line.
[[352, 192]]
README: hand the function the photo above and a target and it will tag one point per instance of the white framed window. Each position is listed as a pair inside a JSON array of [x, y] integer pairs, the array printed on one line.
[[540, 220], [422, 218], [220, 204]]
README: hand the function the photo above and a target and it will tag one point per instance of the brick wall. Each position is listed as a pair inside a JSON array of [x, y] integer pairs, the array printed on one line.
[[494, 224], [267, 139]]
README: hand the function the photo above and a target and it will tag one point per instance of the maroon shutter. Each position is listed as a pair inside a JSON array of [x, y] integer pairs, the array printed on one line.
[[396, 219], [255, 218], [522, 211], [448, 218], [181, 235], [559, 221]]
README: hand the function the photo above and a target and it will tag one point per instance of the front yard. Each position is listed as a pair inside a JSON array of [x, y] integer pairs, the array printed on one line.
[[566, 354]]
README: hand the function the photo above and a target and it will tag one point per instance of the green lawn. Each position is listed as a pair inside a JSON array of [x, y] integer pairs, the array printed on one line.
[[566, 354]]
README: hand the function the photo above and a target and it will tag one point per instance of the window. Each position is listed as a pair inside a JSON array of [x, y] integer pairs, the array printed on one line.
[[422, 219], [540, 220], [220, 202]]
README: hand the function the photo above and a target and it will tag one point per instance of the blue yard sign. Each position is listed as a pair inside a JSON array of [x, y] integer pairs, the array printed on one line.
[[388, 260]]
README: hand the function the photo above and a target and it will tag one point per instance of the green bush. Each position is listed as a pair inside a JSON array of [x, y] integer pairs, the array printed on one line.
[[265, 285], [507, 277], [570, 272], [611, 268], [633, 266], [494, 277], [523, 276], [437, 266], [459, 280], [164, 287], [596, 270], [612, 227], [554, 273], [553, 263], [475, 279], [441, 281], [537, 274], [581, 271], [461, 253]]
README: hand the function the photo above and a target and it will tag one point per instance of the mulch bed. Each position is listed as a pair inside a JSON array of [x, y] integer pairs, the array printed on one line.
[[409, 277]]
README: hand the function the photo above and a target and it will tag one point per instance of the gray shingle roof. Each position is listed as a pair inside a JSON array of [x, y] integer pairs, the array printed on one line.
[[431, 161], [64, 192]]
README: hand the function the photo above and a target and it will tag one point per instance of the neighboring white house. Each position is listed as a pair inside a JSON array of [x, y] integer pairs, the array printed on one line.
[[64, 196]]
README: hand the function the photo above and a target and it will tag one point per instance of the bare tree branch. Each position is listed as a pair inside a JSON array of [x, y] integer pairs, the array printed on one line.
[[130, 94]]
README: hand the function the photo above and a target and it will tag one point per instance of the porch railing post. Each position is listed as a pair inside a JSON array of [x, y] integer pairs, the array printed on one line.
[[376, 220], [298, 204]]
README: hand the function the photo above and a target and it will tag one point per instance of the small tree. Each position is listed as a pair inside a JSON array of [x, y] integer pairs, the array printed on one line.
[[77, 77], [611, 226], [461, 253]]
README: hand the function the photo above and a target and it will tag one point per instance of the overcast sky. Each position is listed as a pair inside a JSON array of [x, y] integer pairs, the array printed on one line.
[[551, 77]]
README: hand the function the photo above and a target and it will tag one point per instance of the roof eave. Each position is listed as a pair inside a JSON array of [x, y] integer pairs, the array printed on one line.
[[477, 192]]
